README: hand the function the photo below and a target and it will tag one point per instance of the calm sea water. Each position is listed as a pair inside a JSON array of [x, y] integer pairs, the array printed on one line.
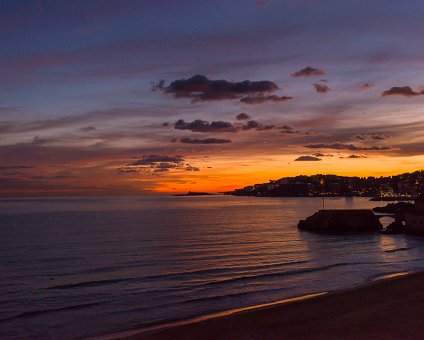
[[79, 267]]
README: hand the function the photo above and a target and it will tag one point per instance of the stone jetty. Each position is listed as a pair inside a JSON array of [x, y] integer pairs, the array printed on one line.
[[337, 221]]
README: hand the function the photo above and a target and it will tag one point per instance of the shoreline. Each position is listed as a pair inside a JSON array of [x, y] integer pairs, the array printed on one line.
[[204, 317], [248, 322]]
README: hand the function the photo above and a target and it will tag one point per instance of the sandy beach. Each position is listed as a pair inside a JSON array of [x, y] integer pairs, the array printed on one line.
[[392, 308]]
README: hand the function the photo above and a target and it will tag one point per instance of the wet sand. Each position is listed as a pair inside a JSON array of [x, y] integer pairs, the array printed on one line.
[[392, 308]]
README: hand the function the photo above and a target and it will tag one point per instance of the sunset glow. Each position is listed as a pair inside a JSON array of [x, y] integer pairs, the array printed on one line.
[[141, 97]]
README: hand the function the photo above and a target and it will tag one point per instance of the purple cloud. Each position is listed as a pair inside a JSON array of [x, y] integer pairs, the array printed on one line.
[[321, 88], [308, 72], [242, 116], [401, 91]]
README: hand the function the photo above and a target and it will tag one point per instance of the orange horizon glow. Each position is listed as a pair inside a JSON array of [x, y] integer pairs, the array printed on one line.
[[221, 175]]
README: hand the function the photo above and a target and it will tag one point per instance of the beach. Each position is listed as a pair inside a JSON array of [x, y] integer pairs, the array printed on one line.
[[390, 308]]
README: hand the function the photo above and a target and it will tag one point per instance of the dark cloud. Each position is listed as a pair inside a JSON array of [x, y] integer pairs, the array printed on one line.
[[308, 72], [154, 159], [199, 125], [401, 91], [321, 88], [307, 159], [355, 156], [251, 124], [242, 116], [166, 165], [340, 146], [161, 170], [287, 130], [126, 170], [192, 168], [260, 99], [255, 125], [369, 137], [200, 88], [204, 141]]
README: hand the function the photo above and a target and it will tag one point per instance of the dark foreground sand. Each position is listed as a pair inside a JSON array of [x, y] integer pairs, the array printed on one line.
[[387, 309]]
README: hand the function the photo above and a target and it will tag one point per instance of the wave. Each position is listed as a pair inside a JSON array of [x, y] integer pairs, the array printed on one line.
[[96, 283], [398, 249], [234, 295], [179, 303], [171, 276], [32, 313], [289, 273]]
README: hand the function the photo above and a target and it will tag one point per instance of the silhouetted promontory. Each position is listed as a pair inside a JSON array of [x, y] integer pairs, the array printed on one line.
[[405, 186]]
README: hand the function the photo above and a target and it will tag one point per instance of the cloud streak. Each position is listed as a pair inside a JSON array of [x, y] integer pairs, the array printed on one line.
[[204, 141], [261, 99], [341, 146]]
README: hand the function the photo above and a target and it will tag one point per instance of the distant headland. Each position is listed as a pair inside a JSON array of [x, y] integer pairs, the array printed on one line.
[[193, 193]]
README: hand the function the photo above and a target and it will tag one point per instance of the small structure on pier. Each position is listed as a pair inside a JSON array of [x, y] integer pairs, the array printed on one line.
[[336, 221]]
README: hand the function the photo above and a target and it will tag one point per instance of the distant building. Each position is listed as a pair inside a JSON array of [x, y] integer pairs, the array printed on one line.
[[333, 188], [405, 187], [294, 189]]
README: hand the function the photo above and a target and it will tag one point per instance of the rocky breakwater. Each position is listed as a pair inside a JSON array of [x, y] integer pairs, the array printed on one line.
[[336, 221]]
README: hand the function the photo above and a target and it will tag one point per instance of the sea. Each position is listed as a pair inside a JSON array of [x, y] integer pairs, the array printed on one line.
[[91, 267]]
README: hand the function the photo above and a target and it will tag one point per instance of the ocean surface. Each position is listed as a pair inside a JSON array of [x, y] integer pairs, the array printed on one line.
[[73, 268]]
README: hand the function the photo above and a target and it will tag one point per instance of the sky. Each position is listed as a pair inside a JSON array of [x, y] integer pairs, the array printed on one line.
[[144, 97]]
